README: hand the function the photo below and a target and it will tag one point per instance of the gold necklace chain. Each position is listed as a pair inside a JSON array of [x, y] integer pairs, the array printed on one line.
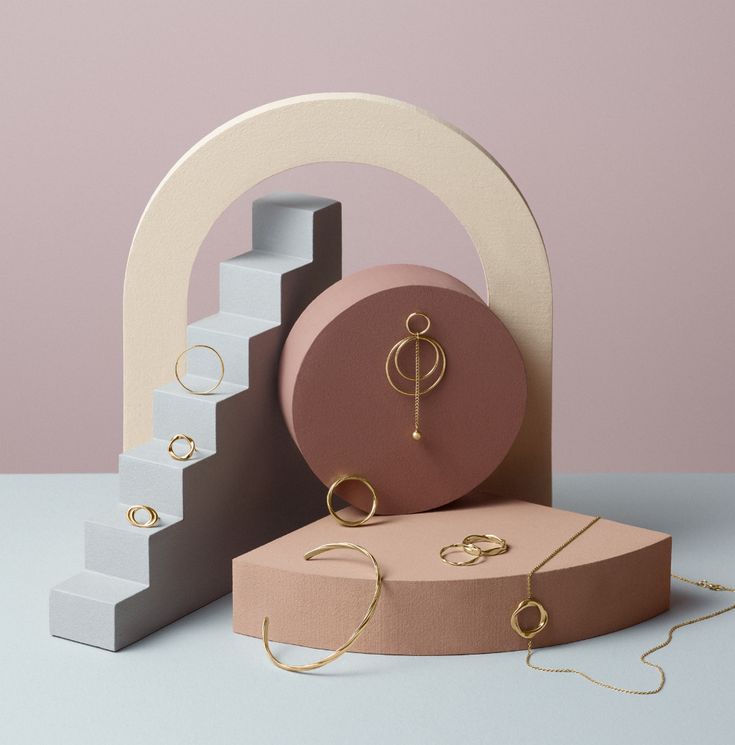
[[417, 383], [706, 584]]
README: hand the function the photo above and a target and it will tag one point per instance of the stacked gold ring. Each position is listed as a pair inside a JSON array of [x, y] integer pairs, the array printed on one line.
[[476, 552], [497, 545], [469, 546]]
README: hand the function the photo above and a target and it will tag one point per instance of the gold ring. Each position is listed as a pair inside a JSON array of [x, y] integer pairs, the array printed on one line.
[[188, 453], [355, 634], [540, 626], [221, 375], [152, 516], [469, 548], [418, 315], [499, 545], [351, 523]]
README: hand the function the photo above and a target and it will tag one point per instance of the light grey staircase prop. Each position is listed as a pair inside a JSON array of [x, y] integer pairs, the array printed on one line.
[[247, 483]]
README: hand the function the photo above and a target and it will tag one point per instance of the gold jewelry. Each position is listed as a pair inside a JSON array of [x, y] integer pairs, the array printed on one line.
[[469, 548], [133, 520], [221, 375], [190, 450], [351, 523], [355, 634], [498, 545], [438, 368], [543, 619]]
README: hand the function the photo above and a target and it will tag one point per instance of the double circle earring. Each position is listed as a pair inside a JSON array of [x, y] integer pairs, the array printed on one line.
[[341, 520], [422, 383]]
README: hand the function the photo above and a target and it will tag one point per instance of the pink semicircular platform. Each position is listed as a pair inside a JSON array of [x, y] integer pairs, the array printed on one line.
[[347, 420]]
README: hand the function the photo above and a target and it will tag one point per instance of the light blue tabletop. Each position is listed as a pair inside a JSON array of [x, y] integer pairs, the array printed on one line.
[[197, 682]]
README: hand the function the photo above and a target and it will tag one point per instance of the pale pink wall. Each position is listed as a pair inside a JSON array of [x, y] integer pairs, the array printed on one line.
[[615, 119]]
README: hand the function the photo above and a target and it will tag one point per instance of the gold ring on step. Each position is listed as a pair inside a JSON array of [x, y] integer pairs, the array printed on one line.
[[190, 447], [133, 520]]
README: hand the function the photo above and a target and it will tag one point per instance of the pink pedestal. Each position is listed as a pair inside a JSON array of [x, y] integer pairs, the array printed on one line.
[[612, 577], [345, 417]]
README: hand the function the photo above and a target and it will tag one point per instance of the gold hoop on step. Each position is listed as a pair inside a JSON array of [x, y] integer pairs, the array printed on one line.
[[221, 374]]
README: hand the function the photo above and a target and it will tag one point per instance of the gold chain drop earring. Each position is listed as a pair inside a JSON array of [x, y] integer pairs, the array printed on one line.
[[431, 378]]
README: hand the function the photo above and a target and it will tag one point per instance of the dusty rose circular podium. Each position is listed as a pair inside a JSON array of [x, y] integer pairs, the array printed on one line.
[[347, 419], [612, 577]]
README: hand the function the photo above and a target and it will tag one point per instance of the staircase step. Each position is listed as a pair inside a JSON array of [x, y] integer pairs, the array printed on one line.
[[230, 334], [178, 411], [250, 284], [149, 474], [247, 482], [83, 608], [281, 221], [115, 547]]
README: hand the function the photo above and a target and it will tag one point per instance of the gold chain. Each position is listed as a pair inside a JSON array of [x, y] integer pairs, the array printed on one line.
[[706, 584], [417, 385]]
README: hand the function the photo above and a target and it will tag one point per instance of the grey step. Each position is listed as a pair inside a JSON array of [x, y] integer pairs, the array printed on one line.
[[84, 607], [250, 284], [232, 336], [296, 224], [247, 484], [177, 411], [113, 546], [150, 475]]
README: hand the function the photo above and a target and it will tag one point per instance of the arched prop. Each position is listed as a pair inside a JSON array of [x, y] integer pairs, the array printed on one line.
[[352, 128]]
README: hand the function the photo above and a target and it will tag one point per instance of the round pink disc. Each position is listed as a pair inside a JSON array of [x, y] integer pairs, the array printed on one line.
[[347, 420]]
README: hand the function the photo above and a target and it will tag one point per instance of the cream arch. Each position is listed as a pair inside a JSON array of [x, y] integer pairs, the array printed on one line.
[[351, 128]]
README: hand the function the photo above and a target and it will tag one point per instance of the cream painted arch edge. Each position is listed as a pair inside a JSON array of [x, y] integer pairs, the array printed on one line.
[[352, 128]]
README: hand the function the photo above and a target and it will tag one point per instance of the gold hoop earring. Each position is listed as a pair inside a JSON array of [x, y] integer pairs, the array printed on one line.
[[133, 520], [432, 377], [470, 548], [190, 447], [355, 634], [497, 545], [221, 375], [351, 523]]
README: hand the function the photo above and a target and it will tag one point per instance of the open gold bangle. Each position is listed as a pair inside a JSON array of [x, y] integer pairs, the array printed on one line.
[[351, 523], [152, 516], [190, 451], [221, 375], [498, 545], [355, 634], [468, 548]]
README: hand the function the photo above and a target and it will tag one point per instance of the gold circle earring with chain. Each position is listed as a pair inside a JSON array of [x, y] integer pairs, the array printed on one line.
[[429, 379]]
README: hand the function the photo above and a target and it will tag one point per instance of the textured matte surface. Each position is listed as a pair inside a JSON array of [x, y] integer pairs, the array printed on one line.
[[196, 682], [345, 417], [353, 128], [613, 576], [245, 485]]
